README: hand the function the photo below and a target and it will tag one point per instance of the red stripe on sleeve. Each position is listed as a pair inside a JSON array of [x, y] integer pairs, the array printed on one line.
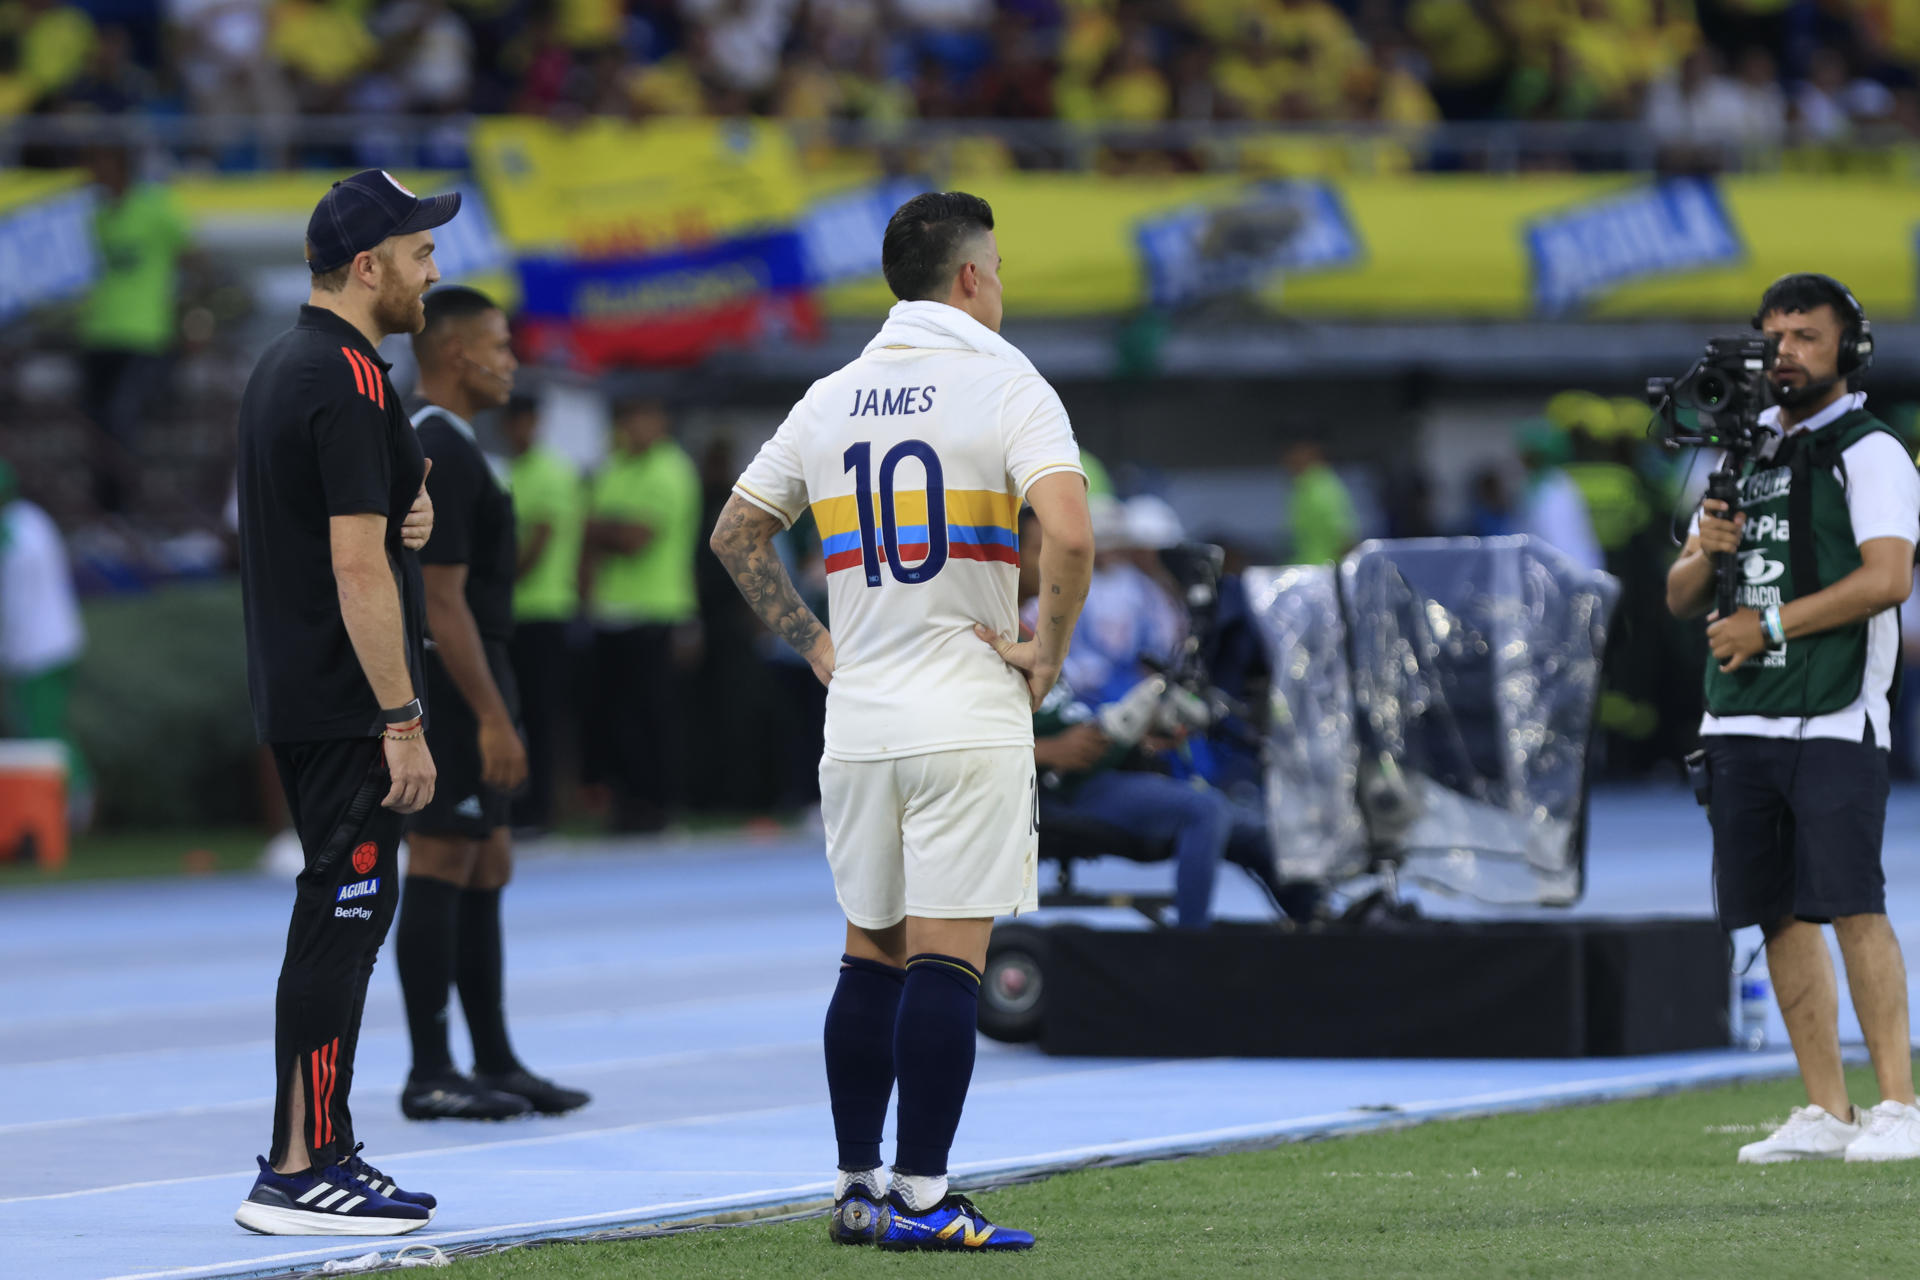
[[373, 376], [359, 378]]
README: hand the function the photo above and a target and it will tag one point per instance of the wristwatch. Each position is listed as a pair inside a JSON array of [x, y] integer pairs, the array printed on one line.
[[402, 714]]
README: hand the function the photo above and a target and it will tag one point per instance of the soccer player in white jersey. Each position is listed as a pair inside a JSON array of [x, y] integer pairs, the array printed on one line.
[[915, 460]]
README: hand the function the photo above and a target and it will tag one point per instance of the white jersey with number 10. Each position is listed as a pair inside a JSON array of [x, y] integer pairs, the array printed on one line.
[[915, 461]]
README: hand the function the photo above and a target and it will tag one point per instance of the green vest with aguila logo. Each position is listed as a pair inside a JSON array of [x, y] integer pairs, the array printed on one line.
[[1798, 539]]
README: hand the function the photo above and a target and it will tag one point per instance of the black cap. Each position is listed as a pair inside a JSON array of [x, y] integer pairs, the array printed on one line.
[[361, 211]]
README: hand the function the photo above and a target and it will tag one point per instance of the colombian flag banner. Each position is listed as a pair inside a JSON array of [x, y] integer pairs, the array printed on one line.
[[649, 244]]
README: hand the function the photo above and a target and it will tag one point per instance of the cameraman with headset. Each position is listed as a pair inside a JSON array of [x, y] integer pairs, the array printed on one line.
[[1797, 695]]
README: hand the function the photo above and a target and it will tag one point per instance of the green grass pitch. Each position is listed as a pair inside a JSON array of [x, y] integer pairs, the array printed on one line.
[[1644, 1187]]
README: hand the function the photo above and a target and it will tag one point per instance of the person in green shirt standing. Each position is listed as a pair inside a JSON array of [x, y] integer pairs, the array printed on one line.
[[550, 511], [643, 529], [1319, 509], [128, 323]]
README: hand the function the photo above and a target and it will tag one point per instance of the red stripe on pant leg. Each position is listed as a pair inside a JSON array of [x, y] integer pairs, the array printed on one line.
[[332, 1056], [313, 1097]]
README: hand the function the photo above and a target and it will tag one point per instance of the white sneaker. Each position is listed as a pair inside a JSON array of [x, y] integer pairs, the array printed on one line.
[[1810, 1133], [1892, 1133]]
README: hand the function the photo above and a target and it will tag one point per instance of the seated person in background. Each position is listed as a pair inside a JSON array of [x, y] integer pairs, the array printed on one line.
[[1080, 775], [1129, 612]]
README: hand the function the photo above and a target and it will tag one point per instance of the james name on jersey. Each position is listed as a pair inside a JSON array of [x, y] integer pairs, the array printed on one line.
[[900, 400]]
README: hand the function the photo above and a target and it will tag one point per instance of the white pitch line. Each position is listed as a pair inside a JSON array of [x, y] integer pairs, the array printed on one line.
[[488, 1233], [1350, 1118], [633, 1014], [570, 1135], [131, 1117], [1736, 1068], [383, 1089]]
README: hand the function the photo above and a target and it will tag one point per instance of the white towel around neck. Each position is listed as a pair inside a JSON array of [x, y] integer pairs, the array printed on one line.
[[939, 327]]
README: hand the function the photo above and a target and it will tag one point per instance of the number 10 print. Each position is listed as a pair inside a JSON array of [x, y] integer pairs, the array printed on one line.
[[859, 460]]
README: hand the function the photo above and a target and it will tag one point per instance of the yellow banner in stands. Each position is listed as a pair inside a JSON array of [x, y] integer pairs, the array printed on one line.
[[1427, 246], [605, 188], [24, 186]]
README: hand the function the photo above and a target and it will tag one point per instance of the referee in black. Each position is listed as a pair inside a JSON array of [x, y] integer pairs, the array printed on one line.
[[459, 854], [333, 508]]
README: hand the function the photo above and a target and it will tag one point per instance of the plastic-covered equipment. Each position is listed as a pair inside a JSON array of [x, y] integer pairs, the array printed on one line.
[[1312, 755], [1474, 668]]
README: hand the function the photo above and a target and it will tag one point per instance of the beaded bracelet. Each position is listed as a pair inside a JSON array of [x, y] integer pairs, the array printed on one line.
[[398, 735], [1775, 630]]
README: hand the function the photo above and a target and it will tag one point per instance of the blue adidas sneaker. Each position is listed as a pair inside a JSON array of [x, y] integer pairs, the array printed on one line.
[[853, 1218], [324, 1202], [953, 1225], [380, 1182]]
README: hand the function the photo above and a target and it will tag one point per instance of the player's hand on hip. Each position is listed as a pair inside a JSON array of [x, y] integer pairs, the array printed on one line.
[[822, 658], [411, 766], [418, 526], [503, 756], [1024, 656]]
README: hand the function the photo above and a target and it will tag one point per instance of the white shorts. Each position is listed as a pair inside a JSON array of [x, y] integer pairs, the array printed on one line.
[[949, 835]]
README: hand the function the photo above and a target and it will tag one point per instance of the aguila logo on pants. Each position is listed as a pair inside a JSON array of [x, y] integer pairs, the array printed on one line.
[[358, 889], [364, 857]]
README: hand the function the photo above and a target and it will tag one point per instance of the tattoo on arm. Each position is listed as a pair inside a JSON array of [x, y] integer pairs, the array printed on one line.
[[742, 538]]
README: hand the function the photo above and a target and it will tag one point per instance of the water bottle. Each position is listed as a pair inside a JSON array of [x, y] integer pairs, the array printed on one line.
[[1750, 1031]]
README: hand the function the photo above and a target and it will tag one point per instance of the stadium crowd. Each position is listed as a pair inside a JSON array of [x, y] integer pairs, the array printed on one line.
[[1715, 71]]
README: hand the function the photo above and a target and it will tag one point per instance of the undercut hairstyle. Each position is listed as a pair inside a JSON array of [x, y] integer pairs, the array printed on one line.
[[1803, 293], [925, 242], [330, 281], [446, 307]]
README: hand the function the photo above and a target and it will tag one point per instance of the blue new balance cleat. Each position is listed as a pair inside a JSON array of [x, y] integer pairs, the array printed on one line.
[[953, 1225], [853, 1218], [380, 1182], [324, 1202]]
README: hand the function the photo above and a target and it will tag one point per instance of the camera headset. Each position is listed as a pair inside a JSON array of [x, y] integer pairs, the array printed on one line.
[[506, 379], [1856, 339]]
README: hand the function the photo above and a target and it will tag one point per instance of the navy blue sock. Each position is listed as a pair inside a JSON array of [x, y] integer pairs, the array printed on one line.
[[859, 1036], [933, 1057]]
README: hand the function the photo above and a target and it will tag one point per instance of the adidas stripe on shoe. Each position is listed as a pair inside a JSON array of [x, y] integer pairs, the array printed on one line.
[[382, 1184], [324, 1202]]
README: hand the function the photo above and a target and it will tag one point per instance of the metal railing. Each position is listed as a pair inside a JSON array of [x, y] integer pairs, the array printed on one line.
[[279, 142]]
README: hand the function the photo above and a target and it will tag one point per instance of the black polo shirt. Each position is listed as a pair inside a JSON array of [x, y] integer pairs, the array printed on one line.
[[472, 519], [322, 434]]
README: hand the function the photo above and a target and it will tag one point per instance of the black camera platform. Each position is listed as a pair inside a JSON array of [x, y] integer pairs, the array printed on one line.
[[1395, 988]]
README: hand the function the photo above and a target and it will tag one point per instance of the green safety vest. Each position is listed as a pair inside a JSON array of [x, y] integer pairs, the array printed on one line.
[[1799, 538]]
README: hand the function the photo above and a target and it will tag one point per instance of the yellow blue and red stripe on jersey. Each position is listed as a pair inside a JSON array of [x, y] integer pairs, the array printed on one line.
[[981, 525]]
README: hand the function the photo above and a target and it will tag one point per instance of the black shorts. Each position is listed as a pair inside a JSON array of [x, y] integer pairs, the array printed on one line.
[[463, 805], [1797, 826]]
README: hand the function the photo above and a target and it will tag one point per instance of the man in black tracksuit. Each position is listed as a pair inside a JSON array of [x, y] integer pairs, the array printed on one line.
[[459, 856], [332, 509]]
